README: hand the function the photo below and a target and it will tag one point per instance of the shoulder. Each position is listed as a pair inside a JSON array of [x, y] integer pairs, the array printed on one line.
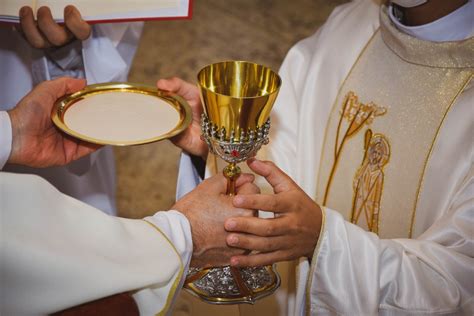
[[24, 185], [348, 25], [335, 46]]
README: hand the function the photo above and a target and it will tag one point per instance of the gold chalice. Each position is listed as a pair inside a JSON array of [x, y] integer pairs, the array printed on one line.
[[237, 97]]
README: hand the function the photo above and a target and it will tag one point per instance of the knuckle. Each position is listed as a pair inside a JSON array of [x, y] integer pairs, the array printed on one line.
[[37, 43], [274, 203], [268, 245], [269, 163], [57, 39], [269, 230]]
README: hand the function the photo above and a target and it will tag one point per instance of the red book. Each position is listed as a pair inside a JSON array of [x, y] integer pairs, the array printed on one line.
[[103, 11]]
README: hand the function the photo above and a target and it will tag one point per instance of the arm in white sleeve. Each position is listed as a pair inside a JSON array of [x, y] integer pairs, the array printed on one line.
[[108, 53], [5, 138], [176, 228], [57, 252], [188, 176], [355, 272]]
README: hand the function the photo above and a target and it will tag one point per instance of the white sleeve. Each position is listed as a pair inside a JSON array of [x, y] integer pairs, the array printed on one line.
[[109, 51], [355, 272], [57, 252], [188, 176], [5, 138], [176, 228]]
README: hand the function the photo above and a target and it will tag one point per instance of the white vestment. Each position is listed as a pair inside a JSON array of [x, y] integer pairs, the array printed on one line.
[[421, 261], [57, 252], [105, 56]]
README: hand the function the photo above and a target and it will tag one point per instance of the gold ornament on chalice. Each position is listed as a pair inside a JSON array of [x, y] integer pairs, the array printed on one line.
[[237, 97]]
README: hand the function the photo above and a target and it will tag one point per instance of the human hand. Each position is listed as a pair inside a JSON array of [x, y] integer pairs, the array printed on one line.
[[46, 33], [36, 141], [190, 140], [293, 233], [206, 208]]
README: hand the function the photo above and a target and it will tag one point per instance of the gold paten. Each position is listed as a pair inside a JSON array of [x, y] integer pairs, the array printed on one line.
[[178, 103], [237, 97]]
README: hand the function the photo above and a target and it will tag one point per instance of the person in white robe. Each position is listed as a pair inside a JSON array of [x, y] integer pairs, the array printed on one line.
[[98, 53], [370, 87], [57, 252]]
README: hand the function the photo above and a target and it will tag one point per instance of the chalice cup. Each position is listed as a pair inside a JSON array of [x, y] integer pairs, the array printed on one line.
[[237, 97]]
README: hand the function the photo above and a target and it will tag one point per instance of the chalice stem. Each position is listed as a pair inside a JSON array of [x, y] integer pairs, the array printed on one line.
[[231, 172]]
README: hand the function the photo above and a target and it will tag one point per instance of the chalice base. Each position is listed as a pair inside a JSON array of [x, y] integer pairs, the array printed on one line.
[[230, 285]]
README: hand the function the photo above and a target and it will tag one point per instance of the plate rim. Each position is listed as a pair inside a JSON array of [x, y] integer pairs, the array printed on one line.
[[178, 103]]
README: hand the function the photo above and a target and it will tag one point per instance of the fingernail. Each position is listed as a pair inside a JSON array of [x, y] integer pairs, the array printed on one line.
[[234, 261], [233, 240], [23, 12], [230, 224], [238, 200], [68, 10]]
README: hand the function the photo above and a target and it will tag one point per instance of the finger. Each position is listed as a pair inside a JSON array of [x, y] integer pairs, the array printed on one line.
[[58, 88], [274, 175], [260, 259], [74, 22], [216, 184], [56, 34], [263, 202], [180, 87], [75, 149], [248, 188], [257, 243], [244, 178], [264, 227], [30, 29]]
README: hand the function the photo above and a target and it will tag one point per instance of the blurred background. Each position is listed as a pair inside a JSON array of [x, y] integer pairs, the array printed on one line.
[[260, 31]]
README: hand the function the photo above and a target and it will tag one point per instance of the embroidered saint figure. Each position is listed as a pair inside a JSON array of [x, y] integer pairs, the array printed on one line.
[[368, 181]]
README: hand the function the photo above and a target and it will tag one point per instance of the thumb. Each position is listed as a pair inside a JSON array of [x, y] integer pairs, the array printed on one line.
[[279, 180], [58, 88], [178, 86]]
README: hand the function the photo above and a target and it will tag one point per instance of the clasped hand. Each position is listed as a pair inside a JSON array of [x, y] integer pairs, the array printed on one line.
[[292, 234], [294, 231]]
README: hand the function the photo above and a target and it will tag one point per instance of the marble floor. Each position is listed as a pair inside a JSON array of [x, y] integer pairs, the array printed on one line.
[[261, 31]]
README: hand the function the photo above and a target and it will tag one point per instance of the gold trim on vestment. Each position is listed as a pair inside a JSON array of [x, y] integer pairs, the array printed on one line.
[[452, 54], [412, 223], [178, 278], [314, 260]]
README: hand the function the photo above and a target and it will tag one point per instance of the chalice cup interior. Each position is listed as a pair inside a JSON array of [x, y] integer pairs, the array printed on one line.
[[237, 97]]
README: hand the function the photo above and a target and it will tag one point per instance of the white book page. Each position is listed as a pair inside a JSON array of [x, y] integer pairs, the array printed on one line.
[[11, 8], [116, 9]]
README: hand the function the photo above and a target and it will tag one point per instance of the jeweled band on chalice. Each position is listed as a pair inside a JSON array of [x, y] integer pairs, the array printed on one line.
[[237, 97]]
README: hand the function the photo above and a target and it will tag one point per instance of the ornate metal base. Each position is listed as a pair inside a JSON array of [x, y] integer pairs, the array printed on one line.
[[230, 285]]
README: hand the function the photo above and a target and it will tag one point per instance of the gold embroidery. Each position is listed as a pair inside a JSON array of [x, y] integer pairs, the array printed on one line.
[[368, 181], [420, 185], [357, 115]]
